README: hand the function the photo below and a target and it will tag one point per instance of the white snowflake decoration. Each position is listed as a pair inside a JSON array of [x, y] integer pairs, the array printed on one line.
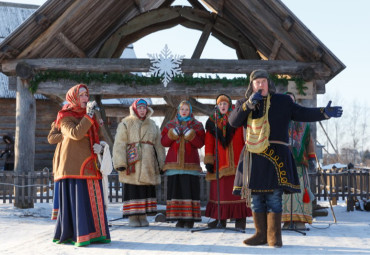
[[165, 65]]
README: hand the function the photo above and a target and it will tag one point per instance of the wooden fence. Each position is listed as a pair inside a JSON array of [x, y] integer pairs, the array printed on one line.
[[325, 185], [40, 185], [340, 183]]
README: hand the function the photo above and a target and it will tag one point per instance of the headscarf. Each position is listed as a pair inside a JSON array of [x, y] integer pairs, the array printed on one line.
[[73, 108], [136, 104], [222, 119], [187, 118]]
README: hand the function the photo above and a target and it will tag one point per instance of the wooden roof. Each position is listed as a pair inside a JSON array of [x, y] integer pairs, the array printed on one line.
[[256, 29]]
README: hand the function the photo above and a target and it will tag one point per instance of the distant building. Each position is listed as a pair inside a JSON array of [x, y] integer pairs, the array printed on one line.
[[11, 16]]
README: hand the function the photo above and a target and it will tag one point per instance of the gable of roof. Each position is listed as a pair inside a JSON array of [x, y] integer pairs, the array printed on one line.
[[273, 31]]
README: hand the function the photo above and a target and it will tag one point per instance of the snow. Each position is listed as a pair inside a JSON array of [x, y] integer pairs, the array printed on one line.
[[337, 165], [30, 231]]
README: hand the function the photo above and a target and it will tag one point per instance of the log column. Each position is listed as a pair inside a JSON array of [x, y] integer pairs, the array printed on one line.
[[24, 147]]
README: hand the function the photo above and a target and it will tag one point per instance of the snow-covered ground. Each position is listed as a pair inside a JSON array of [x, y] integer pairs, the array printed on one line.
[[30, 231]]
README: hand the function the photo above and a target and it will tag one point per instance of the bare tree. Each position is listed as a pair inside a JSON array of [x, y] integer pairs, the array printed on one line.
[[363, 129]]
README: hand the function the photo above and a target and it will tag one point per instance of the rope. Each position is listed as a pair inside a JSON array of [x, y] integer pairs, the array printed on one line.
[[24, 186], [335, 150]]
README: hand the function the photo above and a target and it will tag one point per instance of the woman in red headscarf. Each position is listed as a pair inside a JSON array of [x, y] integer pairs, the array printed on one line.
[[138, 156], [81, 217], [230, 142]]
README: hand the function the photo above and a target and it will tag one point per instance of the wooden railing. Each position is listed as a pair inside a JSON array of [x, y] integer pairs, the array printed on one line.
[[342, 183], [40, 186]]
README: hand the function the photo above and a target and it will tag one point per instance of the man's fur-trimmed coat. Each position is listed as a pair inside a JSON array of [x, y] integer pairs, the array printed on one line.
[[132, 130]]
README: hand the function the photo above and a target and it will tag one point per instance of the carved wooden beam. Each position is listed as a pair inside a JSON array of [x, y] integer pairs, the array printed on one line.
[[60, 88], [53, 30], [188, 66], [275, 50], [70, 45], [202, 41]]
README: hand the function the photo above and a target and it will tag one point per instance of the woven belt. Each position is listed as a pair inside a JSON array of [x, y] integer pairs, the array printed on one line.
[[279, 142], [142, 142]]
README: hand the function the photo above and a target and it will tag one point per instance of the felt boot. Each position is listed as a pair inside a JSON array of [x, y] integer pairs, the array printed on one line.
[[133, 221], [143, 220], [260, 223], [274, 230]]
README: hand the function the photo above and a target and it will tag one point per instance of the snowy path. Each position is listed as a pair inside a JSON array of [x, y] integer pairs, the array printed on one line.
[[31, 231]]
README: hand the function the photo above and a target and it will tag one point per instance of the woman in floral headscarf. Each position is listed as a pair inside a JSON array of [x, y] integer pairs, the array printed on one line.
[[184, 136], [138, 156], [81, 217], [230, 143]]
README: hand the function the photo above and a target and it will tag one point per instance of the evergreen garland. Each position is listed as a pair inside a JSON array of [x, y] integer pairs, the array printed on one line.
[[134, 80]]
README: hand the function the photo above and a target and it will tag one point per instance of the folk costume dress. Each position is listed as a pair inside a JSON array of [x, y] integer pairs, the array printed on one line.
[[302, 148], [230, 143], [182, 168], [274, 166], [81, 218], [141, 175]]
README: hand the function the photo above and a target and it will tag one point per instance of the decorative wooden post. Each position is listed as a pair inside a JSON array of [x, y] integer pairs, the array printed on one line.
[[24, 142]]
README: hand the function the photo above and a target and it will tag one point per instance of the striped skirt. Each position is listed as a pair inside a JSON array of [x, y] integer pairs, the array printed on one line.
[[81, 218], [183, 198], [139, 200]]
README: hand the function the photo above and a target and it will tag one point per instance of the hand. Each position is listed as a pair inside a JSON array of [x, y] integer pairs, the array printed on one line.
[[255, 98], [90, 108], [175, 132], [186, 131], [209, 168], [311, 165], [333, 111], [121, 169], [97, 148]]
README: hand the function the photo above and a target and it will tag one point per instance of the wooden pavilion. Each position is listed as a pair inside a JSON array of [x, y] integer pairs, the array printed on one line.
[[90, 35]]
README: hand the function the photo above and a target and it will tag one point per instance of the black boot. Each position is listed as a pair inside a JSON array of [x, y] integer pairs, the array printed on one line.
[[240, 223], [214, 223], [189, 224], [180, 224]]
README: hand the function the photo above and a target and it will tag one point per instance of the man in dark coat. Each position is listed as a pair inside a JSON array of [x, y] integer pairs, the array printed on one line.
[[267, 169]]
